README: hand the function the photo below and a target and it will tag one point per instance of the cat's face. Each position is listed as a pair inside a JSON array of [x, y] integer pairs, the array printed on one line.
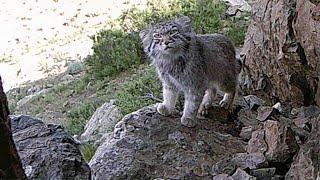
[[168, 37]]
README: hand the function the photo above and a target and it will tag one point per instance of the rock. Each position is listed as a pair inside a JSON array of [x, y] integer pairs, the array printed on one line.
[[278, 107], [294, 111], [246, 133], [257, 142], [281, 59], [316, 13], [309, 112], [241, 160], [47, 151], [242, 175], [237, 5], [222, 177], [304, 115], [248, 118], [146, 145], [301, 122], [277, 177], [251, 161], [29, 98], [33, 90], [253, 101], [264, 173], [265, 112], [316, 2], [67, 78], [101, 122], [306, 164], [105, 138], [280, 140]]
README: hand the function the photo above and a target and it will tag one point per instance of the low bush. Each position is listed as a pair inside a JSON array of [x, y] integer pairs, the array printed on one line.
[[113, 51]]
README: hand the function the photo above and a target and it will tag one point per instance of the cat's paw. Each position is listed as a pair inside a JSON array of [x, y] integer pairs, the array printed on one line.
[[203, 109], [225, 104], [163, 110], [189, 122]]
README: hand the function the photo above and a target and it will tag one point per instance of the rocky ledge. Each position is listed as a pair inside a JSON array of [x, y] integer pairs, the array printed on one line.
[[260, 143], [47, 151], [147, 145]]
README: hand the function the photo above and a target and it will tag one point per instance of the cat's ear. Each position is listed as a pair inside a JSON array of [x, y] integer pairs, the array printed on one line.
[[144, 33], [184, 22]]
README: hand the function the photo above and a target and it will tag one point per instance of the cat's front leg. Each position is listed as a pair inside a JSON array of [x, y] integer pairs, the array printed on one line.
[[170, 97], [191, 105]]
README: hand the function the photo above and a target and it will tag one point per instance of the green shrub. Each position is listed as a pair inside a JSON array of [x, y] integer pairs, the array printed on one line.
[[81, 84], [237, 29], [87, 150], [138, 91], [78, 116], [113, 51], [207, 16], [75, 68]]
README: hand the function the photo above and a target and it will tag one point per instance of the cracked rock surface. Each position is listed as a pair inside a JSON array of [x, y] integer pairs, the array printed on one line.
[[47, 151], [147, 145], [281, 51]]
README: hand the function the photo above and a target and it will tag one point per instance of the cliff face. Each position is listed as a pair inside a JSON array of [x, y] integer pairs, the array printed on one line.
[[10, 165], [282, 51]]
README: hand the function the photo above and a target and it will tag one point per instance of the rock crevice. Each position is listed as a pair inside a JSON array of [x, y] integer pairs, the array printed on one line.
[[281, 49]]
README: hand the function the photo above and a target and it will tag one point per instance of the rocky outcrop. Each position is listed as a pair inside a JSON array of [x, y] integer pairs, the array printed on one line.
[[307, 163], [147, 145], [282, 51], [101, 122], [47, 151]]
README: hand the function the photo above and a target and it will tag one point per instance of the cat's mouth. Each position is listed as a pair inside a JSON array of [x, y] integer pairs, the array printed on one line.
[[168, 47]]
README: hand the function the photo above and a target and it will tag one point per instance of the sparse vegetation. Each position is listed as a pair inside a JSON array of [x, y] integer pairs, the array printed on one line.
[[207, 16], [87, 151], [79, 115], [114, 51], [138, 91]]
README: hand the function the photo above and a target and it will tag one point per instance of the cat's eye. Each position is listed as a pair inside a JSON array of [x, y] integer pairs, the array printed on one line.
[[156, 36], [173, 32]]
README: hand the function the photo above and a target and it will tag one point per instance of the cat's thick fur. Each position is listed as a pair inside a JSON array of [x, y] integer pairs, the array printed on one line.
[[193, 64]]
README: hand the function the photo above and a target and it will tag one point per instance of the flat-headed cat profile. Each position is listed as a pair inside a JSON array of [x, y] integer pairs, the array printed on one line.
[[193, 64]]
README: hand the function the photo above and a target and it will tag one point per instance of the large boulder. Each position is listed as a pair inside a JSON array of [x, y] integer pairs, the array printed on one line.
[[237, 5], [47, 151], [282, 51], [101, 122], [146, 145]]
